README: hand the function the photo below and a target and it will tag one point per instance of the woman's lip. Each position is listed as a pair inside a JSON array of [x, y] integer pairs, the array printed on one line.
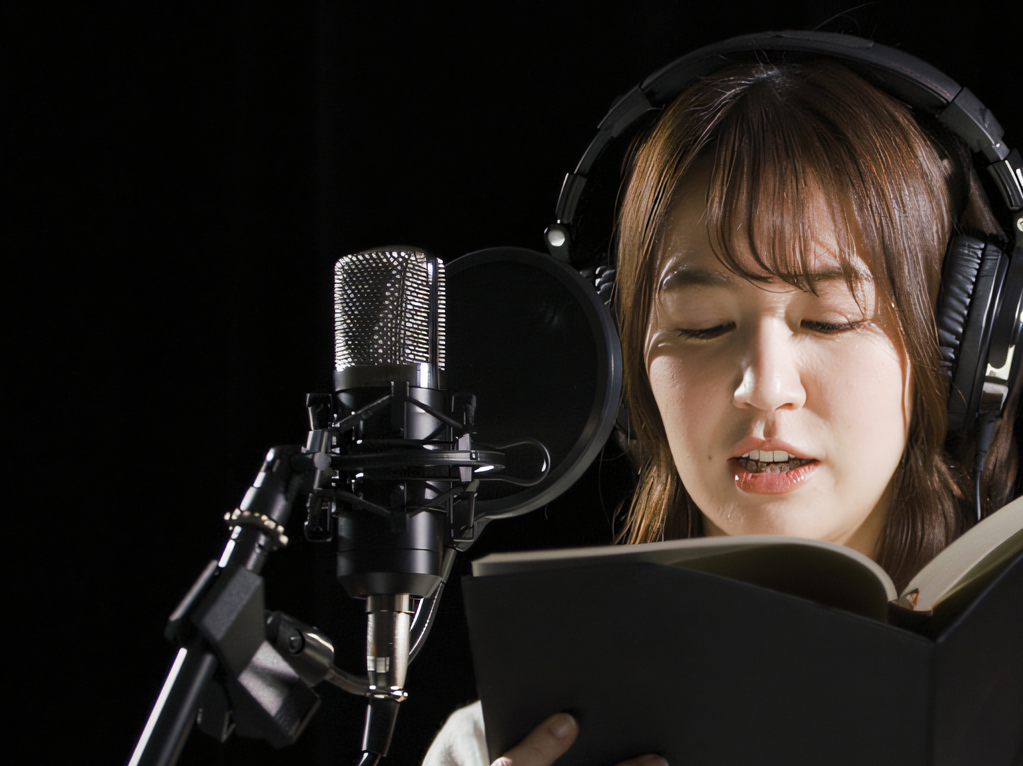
[[770, 483], [748, 445]]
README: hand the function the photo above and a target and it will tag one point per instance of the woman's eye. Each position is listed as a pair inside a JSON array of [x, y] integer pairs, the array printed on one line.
[[830, 328], [706, 333]]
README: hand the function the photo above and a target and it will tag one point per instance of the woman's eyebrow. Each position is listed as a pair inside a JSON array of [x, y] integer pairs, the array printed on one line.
[[686, 277], [702, 277], [834, 274]]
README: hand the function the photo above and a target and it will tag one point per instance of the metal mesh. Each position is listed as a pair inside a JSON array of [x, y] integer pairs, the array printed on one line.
[[382, 308]]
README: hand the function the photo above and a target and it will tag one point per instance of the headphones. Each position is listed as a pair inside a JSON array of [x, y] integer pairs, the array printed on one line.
[[978, 312]]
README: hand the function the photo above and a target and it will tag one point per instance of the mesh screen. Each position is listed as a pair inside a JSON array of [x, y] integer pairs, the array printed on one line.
[[382, 308]]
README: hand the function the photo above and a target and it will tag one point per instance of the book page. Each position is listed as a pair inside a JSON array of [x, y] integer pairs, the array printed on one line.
[[985, 548], [820, 571]]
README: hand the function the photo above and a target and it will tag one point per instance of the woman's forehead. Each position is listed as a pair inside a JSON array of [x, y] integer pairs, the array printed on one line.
[[688, 249]]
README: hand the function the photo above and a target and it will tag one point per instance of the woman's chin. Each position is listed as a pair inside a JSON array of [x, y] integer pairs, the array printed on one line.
[[785, 522]]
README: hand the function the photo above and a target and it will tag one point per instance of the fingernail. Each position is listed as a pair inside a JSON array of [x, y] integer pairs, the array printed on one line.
[[561, 725]]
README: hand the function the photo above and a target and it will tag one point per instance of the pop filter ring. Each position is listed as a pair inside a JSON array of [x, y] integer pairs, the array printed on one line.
[[608, 372]]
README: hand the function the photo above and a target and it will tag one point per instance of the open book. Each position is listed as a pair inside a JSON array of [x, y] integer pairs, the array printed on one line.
[[757, 650], [824, 572]]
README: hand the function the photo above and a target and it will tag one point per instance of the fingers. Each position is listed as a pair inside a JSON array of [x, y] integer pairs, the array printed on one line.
[[645, 760], [544, 745], [549, 741]]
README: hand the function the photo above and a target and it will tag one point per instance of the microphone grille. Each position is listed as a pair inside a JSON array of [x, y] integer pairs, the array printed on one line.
[[388, 309]]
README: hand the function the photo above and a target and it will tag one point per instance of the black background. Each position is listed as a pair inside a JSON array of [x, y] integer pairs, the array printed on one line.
[[183, 178]]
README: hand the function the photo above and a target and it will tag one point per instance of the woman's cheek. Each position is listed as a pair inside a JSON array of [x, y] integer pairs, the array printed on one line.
[[672, 392], [667, 386], [868, 404], [689, 398]]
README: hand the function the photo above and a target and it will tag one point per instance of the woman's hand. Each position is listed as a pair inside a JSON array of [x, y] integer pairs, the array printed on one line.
[[549, 741]]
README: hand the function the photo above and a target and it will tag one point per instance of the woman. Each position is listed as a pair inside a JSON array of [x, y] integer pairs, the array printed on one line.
[[780, 244]]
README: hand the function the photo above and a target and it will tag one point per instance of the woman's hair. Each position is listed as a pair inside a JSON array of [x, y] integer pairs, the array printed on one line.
[[795, 148]]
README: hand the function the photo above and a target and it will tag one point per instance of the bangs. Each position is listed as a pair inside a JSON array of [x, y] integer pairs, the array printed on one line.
[[804, 182], [778, 209]]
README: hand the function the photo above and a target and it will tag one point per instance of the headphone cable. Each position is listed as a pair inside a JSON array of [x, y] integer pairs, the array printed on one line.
[[984, 433]]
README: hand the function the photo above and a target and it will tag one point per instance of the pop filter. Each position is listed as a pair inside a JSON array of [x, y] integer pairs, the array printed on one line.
[[534, 342]]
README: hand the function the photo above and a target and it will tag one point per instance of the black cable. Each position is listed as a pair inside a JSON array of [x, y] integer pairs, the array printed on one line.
[[427, 612], [985, 431], [381, 715]]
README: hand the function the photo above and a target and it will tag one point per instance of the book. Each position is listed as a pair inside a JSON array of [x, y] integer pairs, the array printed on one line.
[[757, 650]]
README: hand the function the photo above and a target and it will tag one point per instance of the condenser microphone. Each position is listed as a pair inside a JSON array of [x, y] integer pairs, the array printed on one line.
[[394, 462], [389, 361]]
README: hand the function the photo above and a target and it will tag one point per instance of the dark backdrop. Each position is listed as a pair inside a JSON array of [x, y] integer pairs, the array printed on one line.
[[183, 178]]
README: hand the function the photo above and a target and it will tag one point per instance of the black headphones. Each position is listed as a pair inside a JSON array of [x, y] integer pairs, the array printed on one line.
[[978, 312]]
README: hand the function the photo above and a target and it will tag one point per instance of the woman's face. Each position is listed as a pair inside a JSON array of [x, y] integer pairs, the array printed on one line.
[[786, 412]]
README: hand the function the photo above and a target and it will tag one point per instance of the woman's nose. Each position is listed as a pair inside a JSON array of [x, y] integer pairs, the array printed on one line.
[[771, 376]]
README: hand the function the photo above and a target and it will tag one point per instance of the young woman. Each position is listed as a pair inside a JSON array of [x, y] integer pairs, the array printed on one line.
[[780, 241]]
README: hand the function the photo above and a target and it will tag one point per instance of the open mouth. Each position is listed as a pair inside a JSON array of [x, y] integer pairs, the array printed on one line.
[[771, 472], [771, 461]]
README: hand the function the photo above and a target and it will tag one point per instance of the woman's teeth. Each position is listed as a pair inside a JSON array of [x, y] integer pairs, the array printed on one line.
[[770, 461]]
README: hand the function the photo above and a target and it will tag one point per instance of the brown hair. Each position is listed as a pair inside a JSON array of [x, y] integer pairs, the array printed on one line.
[[893, 192]]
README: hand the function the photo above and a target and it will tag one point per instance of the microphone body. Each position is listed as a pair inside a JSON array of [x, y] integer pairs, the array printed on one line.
[[400, 553], [392, 421]]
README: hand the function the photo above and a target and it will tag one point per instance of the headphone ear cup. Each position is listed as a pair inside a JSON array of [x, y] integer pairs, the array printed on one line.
[[963, 314]]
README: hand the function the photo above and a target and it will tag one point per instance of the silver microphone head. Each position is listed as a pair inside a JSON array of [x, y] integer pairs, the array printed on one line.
[[388, 316]]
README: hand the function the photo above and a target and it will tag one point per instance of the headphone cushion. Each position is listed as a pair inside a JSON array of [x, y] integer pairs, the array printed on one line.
[[962, 266]]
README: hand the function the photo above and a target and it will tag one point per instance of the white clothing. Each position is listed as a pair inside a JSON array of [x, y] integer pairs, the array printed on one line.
[[461, 741]]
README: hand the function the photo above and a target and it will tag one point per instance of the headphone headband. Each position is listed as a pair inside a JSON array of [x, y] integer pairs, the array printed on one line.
[[906, 77]]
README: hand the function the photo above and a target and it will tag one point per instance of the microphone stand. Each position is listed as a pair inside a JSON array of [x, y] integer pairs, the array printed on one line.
[[242, 669], [220, 625], [171, 719]]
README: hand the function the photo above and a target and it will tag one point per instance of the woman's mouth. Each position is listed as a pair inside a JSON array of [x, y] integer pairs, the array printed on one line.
[[770, 472], [770, 461]]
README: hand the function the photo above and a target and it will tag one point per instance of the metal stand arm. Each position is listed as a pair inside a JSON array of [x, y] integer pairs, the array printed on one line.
[[173, 714], [220, 624]]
